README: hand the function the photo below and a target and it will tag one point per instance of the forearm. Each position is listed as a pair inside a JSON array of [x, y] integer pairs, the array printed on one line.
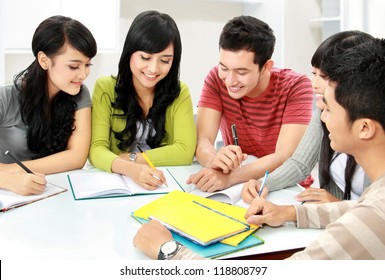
[[101, 157], [174, 154], [288, 174], [257, 169], [124, 167], [310, 215], [4, 180], [205, 152], [303, 160], [59, 162]]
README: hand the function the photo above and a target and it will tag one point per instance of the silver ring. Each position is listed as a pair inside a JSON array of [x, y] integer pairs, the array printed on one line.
[[316, 193]]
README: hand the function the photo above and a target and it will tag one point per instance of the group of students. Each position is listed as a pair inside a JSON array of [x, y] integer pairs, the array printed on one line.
[[47, 122]]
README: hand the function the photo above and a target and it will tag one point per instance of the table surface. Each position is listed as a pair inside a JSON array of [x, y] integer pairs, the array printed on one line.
[[60, 227]]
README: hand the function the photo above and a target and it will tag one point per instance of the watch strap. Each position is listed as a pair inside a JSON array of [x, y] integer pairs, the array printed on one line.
[[162, 256]]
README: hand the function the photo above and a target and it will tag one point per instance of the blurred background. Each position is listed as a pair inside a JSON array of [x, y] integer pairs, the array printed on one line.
[[299, 25]]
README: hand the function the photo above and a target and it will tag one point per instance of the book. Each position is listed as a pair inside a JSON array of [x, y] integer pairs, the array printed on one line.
[[216, 250], [94, 183], [219, 249], [10, 200], [205, 225], [181, 173], [230, 195], [201, 220]]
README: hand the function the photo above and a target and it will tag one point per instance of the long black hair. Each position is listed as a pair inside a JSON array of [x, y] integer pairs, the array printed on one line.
[[333, 46], [150, 32], [50, 123]]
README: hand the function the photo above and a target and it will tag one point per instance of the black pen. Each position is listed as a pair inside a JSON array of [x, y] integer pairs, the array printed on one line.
[[235, 136], [19, 163]]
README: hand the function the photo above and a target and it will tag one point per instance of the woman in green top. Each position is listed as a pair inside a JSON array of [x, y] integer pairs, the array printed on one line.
[[145, 104]]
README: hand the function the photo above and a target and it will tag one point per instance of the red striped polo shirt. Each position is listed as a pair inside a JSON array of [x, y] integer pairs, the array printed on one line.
[[288, 99]]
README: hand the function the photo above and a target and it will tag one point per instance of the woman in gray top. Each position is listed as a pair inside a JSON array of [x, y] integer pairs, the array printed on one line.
[[45, 116], [339, 176]]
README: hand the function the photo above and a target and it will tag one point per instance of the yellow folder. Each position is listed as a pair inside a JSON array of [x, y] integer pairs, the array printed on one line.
[[200, 218]]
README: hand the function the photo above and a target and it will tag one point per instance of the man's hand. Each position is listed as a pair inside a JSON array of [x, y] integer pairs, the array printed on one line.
[[227, 159], [264, 212], [150, 237], [209, 180]]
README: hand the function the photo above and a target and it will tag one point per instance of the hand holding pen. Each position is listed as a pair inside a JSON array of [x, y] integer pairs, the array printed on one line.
[[250, 189], [263, 183], [229, 157], [160, 178], [27, 184], [235, 135]]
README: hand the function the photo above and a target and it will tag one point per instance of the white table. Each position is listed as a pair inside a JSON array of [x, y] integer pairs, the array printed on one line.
[[61, 228]]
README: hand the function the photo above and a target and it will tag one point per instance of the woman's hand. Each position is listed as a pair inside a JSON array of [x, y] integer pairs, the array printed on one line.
[[23, 183], [251, 189], [316, 195], [147, 177]]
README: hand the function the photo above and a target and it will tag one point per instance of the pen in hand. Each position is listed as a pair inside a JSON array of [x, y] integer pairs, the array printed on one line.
[[149, 163], [234, 132], [19, 163], [263, 183], [235, 137]]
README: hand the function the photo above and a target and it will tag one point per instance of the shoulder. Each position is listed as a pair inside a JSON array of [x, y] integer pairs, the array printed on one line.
[[183, 97], [8, 94], [212, 75], [106, 81], [6, 91], [184, 89], [84, 98], [104, 85], [288, 75]]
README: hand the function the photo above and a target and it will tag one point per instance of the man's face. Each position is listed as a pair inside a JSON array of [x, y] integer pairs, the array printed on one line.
[[336, 120], [239, 73]]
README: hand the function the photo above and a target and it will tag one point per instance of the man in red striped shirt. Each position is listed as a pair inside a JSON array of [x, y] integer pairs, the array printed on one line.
[[270, 108]]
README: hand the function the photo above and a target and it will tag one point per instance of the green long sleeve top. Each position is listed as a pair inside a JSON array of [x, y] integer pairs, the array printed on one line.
[[176, 148]]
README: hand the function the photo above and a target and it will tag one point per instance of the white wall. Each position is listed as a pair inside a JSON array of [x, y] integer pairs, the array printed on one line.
[[200, 23]]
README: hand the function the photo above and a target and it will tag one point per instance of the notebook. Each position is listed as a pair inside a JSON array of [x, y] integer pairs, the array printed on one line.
[[198, 222], [199, 217], [230, 195], [10, 200], [95, 183]]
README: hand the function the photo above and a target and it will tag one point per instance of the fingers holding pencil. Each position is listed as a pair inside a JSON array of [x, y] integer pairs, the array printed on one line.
[[150, 178], [158, 173]]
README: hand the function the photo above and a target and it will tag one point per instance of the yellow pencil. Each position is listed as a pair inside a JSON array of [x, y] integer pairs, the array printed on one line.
[[149, 162]]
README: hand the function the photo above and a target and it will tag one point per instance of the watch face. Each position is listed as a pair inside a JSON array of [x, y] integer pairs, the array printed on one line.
[[169, 247]]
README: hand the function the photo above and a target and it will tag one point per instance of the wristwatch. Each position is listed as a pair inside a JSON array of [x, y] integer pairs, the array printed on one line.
[[133, 156], [168, 250]]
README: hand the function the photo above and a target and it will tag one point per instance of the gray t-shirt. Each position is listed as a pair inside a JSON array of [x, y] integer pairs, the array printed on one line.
[[13, 130]]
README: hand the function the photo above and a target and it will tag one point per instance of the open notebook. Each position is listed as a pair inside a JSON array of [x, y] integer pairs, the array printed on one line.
[[230, 195], [95, 183], [10, 200]]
